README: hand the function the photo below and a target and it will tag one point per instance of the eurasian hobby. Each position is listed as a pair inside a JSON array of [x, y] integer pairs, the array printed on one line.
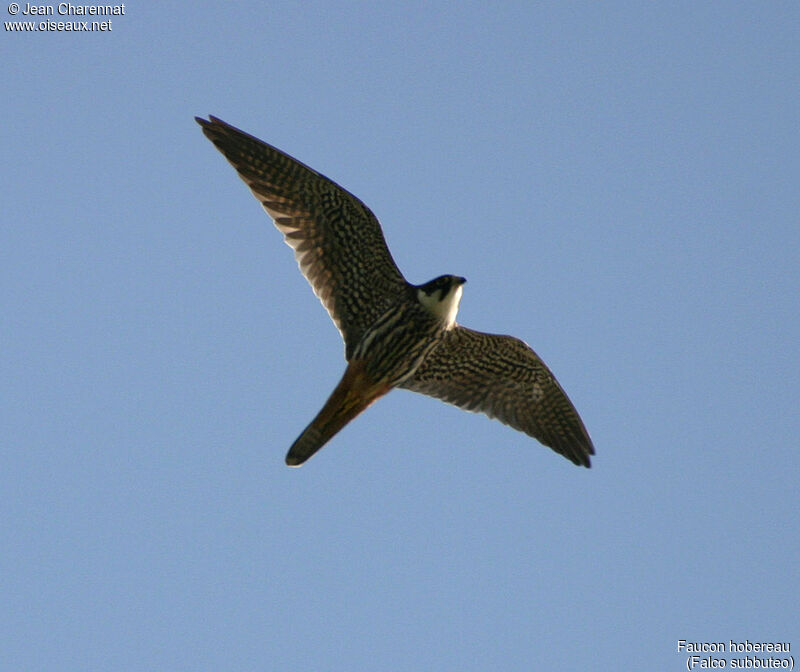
[[395, 334]]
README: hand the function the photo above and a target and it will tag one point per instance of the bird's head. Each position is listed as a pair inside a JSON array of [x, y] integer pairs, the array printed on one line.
[[441, 296]]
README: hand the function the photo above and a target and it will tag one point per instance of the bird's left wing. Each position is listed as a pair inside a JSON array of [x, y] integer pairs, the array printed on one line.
[[337, 240], [502, 377]]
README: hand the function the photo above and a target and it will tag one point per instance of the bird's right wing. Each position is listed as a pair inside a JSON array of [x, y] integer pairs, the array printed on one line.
[[502, 377], [337, 240]]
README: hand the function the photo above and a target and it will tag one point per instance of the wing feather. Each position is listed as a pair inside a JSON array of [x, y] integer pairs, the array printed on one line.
[[502, 377], [337, 241]]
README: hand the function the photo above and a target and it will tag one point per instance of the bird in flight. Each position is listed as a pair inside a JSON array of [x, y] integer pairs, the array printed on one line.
[[395, 334]]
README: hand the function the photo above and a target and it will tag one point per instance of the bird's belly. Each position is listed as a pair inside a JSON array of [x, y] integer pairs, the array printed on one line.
[[395, 346]]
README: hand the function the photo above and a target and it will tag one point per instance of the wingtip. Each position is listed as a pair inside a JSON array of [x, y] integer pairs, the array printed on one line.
[[211, 121], [579, 455], [587, 460], [583, 459]]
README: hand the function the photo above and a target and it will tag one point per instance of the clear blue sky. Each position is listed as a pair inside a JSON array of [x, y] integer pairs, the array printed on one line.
[[620, 184]]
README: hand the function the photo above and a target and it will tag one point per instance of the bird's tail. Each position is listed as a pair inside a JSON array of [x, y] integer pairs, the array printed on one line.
[[352, 395]]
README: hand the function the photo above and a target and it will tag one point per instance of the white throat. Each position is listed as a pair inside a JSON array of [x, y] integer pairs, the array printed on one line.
[[445, 308]]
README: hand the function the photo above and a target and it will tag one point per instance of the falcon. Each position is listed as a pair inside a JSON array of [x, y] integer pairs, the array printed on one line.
[[395, 334]]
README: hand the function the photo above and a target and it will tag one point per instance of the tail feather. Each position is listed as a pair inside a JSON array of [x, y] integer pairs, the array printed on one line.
[[352, 395]]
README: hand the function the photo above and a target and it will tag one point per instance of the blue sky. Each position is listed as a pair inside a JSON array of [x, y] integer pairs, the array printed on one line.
[[619, 184]]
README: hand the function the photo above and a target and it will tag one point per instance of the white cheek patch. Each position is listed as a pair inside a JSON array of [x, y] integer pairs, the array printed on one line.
[[445, 309]]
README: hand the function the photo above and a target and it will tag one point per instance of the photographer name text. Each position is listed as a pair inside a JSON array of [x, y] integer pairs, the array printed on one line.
[[68, 9]]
